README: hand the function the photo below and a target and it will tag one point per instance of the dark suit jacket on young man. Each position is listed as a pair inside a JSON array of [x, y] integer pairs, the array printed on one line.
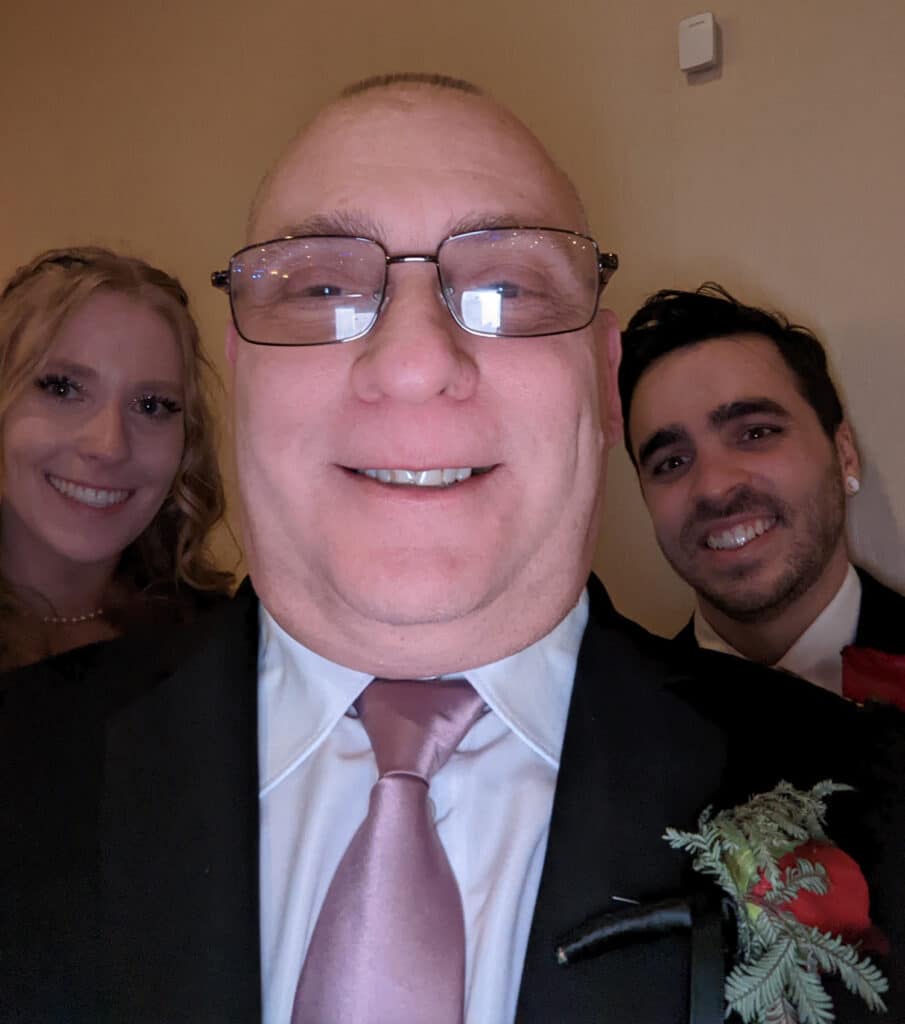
[[129, 870], [881, 619], [881, 622]]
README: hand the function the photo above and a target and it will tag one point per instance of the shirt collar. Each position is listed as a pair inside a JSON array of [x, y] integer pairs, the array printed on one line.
[[815, 654], [302, 696], [531, 689]]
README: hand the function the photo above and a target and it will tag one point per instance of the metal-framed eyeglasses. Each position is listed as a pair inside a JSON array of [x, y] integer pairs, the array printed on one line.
[[508, 282]]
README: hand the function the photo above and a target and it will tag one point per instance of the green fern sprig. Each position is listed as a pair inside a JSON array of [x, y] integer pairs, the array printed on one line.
[[751, 988], [860, 975], [777, 979], [803, 876], [782, 1013]]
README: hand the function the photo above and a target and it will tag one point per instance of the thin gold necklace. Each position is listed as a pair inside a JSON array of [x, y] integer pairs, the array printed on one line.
[[71, 620]]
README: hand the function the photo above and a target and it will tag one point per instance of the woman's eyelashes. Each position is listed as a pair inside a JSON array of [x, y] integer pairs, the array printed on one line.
[[58, 386], [149, 404], [157, 406]]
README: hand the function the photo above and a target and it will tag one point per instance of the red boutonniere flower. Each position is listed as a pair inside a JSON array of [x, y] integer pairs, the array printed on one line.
[[801, 905], [873, 675], [843, 910]]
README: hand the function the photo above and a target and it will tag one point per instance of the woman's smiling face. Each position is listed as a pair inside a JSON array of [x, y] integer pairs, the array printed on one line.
[[91, 447]]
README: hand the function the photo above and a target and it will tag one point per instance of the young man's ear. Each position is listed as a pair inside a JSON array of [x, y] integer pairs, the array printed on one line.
[[849, 460], [609, 355]]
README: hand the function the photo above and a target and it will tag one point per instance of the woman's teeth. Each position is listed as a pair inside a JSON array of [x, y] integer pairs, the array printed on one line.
[[96, 497], [418, 477], [740, 535]]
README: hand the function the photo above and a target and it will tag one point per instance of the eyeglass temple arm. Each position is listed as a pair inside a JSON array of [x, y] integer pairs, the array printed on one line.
[[607, 265], [220, 279]]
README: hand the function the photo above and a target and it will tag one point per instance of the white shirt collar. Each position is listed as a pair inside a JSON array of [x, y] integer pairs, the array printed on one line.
[[815, 654], [303, 695], [530, 690]]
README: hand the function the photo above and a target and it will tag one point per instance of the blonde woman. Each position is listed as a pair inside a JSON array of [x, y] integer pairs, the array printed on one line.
[[109, 485]]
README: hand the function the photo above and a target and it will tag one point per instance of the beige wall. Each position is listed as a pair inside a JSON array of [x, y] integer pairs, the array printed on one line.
[[145, 126]]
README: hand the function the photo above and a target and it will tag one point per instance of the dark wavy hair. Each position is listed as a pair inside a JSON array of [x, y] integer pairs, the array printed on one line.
[[673, 319], [172, 551]]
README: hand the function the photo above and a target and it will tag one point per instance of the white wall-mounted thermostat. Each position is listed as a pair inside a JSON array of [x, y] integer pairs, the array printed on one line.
[[697, 42]]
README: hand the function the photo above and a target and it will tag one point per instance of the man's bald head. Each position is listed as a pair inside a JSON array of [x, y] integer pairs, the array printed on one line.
[[404, 91]]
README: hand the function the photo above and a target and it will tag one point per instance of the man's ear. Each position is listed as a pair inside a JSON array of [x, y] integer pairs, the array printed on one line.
[[847, 453], [231, 344], [609, 355]]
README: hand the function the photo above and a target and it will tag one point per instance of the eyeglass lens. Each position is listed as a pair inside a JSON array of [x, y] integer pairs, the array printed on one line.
[[512, 282]]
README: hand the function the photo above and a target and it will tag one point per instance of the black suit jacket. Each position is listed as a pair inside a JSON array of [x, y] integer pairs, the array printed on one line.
[[881, 618], [129, 878], [881, 622]]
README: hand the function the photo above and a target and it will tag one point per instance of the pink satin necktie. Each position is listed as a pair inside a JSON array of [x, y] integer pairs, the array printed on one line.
[[389, 944]]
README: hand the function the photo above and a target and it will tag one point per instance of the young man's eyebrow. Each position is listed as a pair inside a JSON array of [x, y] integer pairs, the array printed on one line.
[[730, 411], [661, 438]]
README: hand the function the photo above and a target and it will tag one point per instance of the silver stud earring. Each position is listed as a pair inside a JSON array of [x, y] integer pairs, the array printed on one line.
[[852, 484]]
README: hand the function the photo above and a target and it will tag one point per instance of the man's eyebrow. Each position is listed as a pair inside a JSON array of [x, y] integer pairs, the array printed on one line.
[[358, 224], [661, 438], [346, 223], [730, 411], [485, 222]]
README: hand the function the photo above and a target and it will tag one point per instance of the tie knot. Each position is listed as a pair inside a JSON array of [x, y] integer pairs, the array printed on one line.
[[414, 726]]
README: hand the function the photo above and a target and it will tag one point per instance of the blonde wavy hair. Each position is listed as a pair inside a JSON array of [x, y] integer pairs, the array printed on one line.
[[172, 551]]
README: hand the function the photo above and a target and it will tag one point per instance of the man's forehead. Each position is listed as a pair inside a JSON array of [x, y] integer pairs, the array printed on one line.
[[723, 357], [712, 375], [367, 149]]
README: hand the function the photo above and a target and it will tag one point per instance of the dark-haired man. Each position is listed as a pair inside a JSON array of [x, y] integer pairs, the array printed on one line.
[[746, 462]]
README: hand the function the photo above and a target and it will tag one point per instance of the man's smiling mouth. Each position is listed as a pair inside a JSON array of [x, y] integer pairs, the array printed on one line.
[[739, 536], [423, 477]]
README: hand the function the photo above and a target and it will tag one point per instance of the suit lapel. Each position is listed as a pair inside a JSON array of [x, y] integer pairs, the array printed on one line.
[[635, 759], [881, 616], [179, 833]]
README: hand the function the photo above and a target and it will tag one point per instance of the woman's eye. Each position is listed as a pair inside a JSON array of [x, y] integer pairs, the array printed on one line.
[[58, 386], [157, 406]]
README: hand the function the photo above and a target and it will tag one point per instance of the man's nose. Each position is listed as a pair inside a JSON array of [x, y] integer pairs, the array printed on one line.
[[104, 435], [718, 473], [415, 351]]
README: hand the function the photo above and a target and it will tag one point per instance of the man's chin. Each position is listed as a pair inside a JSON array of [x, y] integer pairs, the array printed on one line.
[[412, 602], [750, 605]]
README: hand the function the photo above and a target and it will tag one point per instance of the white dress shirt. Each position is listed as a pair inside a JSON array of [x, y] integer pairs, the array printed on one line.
[[815, 654], [492, 803]]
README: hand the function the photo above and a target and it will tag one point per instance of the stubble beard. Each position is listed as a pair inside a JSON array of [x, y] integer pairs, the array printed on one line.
[[821, 522]]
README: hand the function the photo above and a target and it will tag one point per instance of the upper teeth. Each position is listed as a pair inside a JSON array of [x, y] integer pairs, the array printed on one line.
[[418, 477], [740, 535], [97, 497]]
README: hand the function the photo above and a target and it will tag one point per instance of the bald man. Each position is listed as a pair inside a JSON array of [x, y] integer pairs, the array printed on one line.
[[421, 749]]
